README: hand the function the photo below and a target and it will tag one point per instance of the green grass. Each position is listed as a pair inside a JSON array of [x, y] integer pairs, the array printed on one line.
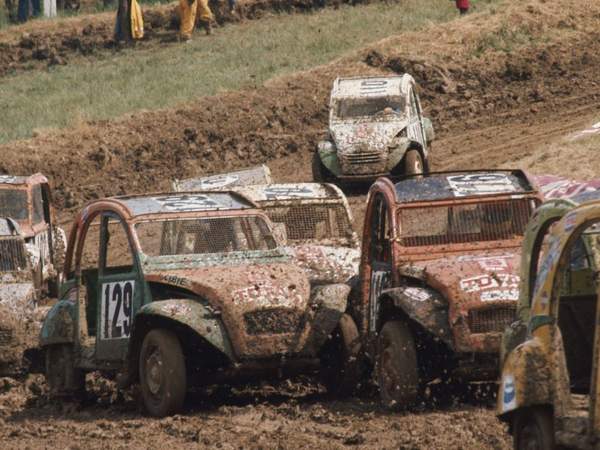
[[235, 56]]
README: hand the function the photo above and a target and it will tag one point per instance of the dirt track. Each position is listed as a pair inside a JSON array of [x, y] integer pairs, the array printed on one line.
[[491, 108]]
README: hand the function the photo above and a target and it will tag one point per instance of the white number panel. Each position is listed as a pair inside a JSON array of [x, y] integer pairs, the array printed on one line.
[[117, 309]]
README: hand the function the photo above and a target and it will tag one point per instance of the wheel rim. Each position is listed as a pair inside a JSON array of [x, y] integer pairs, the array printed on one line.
[[154, 372], [531, 438]]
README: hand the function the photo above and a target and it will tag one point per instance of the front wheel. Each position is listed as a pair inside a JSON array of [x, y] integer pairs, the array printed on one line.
[[341, 360], [413, 162], [396, 366], [534, 429], [162, 373]]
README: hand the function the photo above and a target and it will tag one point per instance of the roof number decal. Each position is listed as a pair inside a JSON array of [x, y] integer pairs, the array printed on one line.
[[280, 193], [373, 87], [8, 179], [480, 184], [218, 181], [187, 202]]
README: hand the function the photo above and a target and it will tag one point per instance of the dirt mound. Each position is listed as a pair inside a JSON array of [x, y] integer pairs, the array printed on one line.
[[39, 47]]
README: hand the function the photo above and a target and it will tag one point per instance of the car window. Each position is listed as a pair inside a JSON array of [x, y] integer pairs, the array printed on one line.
[[38, 204], [118, 251], [91, 245], [13, 204]]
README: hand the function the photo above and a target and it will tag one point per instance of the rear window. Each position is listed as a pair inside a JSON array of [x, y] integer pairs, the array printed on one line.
[[13, 204], [312, 222], [452, 224]]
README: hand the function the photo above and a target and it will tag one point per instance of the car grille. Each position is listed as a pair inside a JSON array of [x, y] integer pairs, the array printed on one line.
[[273, 321], [363, 157], [12, 255], [491, 320]]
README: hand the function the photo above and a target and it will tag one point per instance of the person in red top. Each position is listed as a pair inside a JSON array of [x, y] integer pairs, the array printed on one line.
[[463, 6]]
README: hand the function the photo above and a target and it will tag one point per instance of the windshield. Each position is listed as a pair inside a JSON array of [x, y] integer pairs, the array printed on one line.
[[312, 222], [363, 107], [450, 224], [204, 236], [13, 204]]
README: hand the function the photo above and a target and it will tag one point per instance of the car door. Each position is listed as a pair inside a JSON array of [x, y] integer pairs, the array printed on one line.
[[416, 132], [119, 289], [380, 257]]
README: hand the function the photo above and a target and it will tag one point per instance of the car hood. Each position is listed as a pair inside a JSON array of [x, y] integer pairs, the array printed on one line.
[[247, 295], [354, 136], [473, 281], [325, 264]]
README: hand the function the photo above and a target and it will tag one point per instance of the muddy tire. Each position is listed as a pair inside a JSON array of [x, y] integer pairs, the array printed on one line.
[[319, 171], [63, 378], [162, 373], [396, 366], [413, 162], [534, 429], [341, 360]]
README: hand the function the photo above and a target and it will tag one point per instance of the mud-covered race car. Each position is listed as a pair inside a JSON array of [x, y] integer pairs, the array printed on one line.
[[18, 298], [550, 376], [180, 289], [313, 219], [376, 127], [439, 276], [26, 200]]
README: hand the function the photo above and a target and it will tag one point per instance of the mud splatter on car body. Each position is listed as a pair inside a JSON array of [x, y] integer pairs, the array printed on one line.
[[204, 266], [442, 253], [550, 373], [373, 122]]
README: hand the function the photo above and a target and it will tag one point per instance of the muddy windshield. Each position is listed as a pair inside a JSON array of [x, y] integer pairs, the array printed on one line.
[[310, 223], [442, 225], [363, 107], [204, 236], [13, 204]]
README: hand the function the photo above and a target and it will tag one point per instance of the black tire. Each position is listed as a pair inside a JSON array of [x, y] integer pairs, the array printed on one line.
[[341, 371], [319, 171], [62, 377], [413, 163], [533, 429], [162, 373], [397, 368]]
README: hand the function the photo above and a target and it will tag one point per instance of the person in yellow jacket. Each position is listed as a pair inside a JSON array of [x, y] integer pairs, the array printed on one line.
[[187, 14], [130, 22]]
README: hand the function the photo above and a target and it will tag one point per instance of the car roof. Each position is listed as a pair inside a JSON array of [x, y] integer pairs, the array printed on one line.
[[354, 87], [183, 202], [453, 185], [20, 180], [276, 192]]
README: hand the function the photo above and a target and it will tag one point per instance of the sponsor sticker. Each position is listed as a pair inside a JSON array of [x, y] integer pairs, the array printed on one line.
[[509, 398], [480, 184]]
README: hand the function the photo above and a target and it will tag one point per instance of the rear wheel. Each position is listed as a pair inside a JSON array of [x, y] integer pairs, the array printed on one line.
[[396, 366], [341, 359], [162, 373], [63, 378], [413, 162], [534, 429]]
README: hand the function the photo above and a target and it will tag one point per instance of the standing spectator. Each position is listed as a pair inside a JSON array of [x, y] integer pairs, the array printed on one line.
[[463, 6], [29, 8], [130, 23], [187, 17]]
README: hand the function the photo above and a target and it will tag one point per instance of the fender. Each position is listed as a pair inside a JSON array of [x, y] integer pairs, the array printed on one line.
[[429, 132], [59, 326], [329, 157], [201, 318], [397, 152], [330, 303], [425, 306]]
